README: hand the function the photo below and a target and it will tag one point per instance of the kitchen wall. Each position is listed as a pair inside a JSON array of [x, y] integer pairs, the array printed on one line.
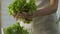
[[6, 19]]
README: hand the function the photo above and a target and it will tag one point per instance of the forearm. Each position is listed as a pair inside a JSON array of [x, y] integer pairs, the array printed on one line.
[[44, 12], [53, 5], [49, 9]]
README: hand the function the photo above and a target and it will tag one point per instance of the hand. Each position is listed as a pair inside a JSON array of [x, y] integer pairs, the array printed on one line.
[[23, 15]]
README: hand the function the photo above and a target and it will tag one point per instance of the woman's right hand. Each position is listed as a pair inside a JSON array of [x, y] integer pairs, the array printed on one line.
[[23, 15]]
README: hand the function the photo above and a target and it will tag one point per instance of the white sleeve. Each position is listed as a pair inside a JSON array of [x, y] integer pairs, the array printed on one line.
[[42, 4]]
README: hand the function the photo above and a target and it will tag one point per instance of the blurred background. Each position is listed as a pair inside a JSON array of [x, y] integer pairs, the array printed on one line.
[[8, 20]]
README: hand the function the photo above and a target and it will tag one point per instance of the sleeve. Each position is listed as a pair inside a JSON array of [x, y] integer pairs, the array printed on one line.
[[43, 4]]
